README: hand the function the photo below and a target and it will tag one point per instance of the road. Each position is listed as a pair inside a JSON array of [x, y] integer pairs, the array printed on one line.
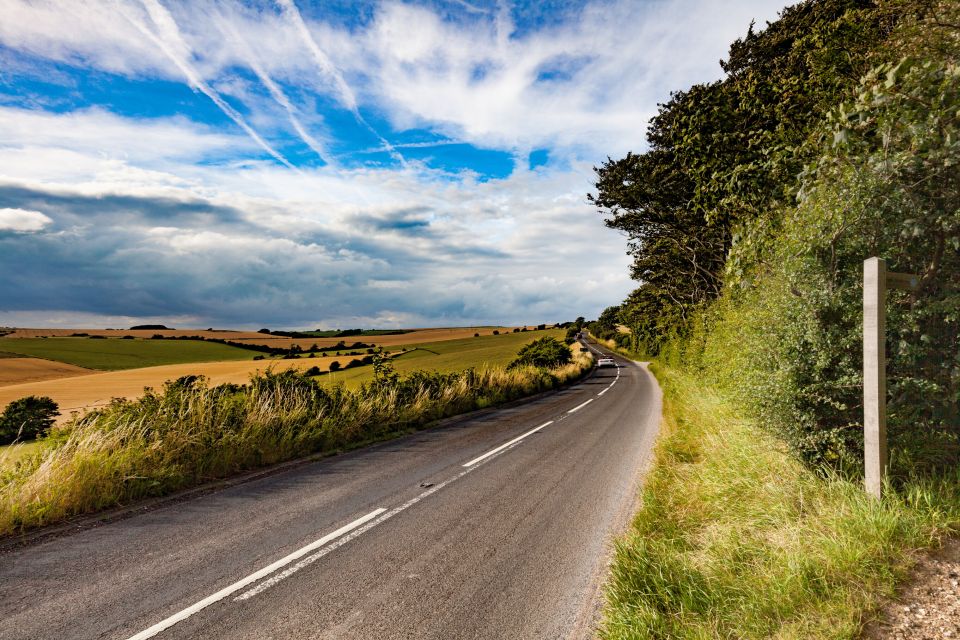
[[498, 525]]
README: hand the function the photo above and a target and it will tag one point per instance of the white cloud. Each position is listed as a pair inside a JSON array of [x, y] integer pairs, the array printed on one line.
[[23, 220], [169, 218]]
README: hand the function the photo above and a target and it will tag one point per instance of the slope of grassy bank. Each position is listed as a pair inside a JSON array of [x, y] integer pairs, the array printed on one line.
[[114, 354], [736, 538], [189, 433]]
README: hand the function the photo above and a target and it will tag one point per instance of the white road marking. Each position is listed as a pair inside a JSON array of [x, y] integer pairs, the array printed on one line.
[[253, 577], [507, 444], [580, 406], [603, 392]]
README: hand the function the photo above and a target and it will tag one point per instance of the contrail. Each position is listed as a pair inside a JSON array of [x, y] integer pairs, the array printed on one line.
[[171, 38], [276, 92], [469, 7], [290, 11]]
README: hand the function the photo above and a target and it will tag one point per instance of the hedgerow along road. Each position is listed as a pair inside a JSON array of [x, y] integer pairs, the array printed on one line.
[[497, 525]]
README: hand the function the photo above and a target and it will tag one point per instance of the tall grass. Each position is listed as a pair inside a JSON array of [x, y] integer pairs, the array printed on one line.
[[189, 432], [736, 538]]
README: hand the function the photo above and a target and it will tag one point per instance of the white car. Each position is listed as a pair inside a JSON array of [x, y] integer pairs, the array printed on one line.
[[606, 362]]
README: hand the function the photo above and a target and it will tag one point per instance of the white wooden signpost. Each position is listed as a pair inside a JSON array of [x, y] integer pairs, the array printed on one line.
[[876, 281]]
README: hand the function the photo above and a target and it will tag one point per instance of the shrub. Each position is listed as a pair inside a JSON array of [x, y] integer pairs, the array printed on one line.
[[545, 352], [476, 335], [496, 332], [334, 366], [27, 418], [312, 371]]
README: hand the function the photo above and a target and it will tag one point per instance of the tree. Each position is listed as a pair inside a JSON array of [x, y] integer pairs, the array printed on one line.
[[724, 157], [27, 418], [546, 352]]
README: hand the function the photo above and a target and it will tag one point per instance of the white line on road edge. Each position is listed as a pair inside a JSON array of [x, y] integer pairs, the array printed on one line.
[[507, 444], [580, 406], [603, 392], [253, 577]]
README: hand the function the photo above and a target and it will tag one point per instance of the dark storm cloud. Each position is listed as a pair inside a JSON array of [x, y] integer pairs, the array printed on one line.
[[74, 208]]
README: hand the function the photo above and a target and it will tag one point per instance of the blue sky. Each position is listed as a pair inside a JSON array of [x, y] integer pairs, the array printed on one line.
[[293, 164]]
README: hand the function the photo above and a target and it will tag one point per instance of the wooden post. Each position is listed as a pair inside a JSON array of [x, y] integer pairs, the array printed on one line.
[[874, 374], [876, 280]]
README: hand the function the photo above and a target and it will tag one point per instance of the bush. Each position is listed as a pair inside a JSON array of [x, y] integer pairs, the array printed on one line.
[[27, 418], [495, 332], [312, 371], [476, 335], [334, 366], [545, 352]]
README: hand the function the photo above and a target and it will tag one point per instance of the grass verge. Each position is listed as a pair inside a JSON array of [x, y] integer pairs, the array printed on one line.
[[188, 433], [736, 539]]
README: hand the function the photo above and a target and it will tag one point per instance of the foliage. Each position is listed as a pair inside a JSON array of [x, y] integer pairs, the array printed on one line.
[[27, 418], [545, 352]]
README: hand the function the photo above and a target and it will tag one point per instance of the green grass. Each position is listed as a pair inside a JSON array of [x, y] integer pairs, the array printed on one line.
[[115, 354], [446, 356], [736, 539], [11, 453]]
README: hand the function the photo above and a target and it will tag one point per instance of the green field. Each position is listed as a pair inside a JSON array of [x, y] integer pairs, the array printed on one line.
[[115, 354], [448, 355]]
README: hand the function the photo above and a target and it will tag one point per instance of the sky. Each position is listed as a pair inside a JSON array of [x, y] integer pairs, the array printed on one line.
[[294, 164]]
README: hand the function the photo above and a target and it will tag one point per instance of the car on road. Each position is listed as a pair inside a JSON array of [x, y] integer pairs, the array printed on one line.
[[606, 362]]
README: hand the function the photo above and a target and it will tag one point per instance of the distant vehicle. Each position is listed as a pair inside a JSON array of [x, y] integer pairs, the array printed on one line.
[[606, 362]]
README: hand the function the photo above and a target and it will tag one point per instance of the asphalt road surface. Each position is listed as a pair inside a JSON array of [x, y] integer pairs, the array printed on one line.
[[498, 525]]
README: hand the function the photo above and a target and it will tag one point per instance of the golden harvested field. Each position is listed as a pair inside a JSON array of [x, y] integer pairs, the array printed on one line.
[[95, 389], [17, 370]]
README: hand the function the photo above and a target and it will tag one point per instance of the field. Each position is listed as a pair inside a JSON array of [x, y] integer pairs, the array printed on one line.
[[10, 453], [139, 333], [451, 355], [114, 355], [414, 337], [96, 389], [16, 370]]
